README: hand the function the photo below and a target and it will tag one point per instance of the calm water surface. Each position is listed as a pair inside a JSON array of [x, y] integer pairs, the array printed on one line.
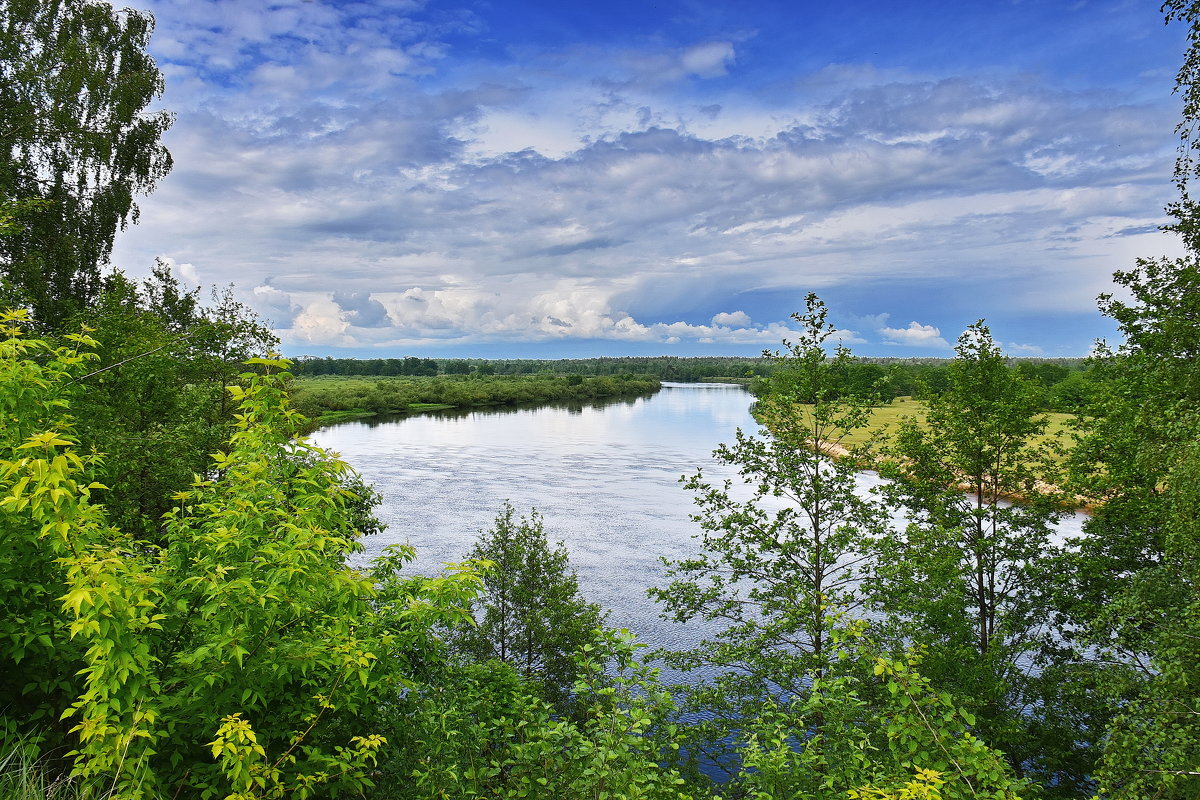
[[605, 479]]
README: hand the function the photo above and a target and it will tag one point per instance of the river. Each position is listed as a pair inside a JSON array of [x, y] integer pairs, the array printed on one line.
[[604, 477]]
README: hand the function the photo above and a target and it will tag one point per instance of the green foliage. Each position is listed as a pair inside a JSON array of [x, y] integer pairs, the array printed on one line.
[[781, 569], [244, 623], [1135, 589], [324, 399], [667, 368], [480, 733], [1134, 592], [13, 210], [918, 744], [156, 400], [44, 516], [1064, 386], [75, 80], [968, 576], [530, 613]]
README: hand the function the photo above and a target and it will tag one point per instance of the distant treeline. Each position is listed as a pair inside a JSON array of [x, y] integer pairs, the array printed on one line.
[[329, 399], [1064, 382], [667, 368]]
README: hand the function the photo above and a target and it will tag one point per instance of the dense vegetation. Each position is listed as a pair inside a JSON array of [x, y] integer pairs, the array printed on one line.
[[326, 400], [180, 620]]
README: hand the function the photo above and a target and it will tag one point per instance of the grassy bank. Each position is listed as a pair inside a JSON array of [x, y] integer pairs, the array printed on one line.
[[739, 381], [886, 419], [330, 399], [24, 777]]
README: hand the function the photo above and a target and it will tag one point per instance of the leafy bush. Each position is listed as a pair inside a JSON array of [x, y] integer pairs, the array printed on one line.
[[239, 652]]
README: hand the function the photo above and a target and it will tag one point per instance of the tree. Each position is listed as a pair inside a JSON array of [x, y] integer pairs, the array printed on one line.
[[480, 731], [1135, 593], [75, 83], [967, 577], [530, 613], [778, 572], [1135, 580], [156, 399], [1152, 746]]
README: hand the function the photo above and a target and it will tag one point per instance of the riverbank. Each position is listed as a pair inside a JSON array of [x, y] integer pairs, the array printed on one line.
[[327, 400]]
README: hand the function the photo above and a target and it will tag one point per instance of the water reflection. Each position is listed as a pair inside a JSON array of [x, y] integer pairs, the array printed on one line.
[[575, 407], [604, 476]]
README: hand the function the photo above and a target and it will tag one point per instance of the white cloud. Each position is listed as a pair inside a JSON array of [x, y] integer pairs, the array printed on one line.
[[274, 306], [574, 192], [915, 335], [732, 319], [846, 337], [319, 323], [708, 60], [361, 310], [188, 273], [185, 272], [456, 313]]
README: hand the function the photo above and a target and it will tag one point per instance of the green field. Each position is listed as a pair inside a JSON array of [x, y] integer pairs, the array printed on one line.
[[886, 419]]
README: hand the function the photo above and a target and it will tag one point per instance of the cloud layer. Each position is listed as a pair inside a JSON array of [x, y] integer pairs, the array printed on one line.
[[382, 176]]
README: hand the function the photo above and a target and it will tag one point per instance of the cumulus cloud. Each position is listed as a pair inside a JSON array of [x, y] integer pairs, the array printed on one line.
[[361, 310], [915, 335], [846, 337], [274, 306], [732, 319], [321, 322], [186, 273], [524, 312]]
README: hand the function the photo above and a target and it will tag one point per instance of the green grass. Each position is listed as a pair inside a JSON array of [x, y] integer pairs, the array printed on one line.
[[742, 381], [23, 777], [330, 417], [349, 415], [886, 419]]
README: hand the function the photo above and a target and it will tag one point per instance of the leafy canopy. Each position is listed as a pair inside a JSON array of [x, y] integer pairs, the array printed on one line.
[[76, 82]]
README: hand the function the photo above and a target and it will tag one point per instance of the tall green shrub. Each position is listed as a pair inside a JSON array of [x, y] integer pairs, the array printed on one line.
[[238, 655]]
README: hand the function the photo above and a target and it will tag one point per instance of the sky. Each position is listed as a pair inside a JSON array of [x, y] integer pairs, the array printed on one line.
[[524, 178]]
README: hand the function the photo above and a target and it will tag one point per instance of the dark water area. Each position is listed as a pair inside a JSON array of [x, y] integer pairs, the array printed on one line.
[[605, 478]]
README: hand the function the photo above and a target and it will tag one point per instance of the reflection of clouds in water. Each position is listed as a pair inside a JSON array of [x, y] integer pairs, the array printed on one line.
[[605, 479], [696, 399]]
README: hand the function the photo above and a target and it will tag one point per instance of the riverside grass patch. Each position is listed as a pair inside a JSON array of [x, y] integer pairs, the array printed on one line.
[[885, 421], [329, 399]]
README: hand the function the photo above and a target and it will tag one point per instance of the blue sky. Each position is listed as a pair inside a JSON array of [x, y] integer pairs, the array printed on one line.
[[549, 179]]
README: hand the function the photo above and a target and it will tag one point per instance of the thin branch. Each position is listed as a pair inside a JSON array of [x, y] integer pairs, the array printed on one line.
[[179, 339]]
